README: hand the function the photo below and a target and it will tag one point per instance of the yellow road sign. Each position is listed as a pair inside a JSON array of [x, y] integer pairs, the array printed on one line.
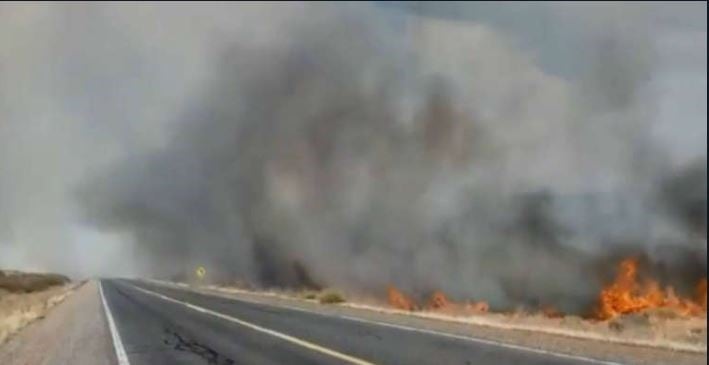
[[200, 272]]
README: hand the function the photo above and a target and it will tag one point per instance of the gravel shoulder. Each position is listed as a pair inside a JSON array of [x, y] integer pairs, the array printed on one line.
[[72, 333], [601, 350], [17, 310]]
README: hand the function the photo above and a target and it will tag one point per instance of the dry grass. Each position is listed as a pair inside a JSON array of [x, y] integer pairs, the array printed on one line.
[[27, 297], [310, 295], [17, 282], [644, 329], [331, 297]]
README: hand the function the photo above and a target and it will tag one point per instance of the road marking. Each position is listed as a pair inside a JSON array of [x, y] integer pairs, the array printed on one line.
[[283, 336], [117, 343], [411, 329], [483, 341]]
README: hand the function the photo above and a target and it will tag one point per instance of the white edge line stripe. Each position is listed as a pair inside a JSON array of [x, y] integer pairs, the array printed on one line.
[[483, 341], [117, 343], [407, 328], [283, 336]]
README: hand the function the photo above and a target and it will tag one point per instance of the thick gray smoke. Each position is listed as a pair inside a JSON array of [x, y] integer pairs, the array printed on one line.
[[358, 146], [342, 156]]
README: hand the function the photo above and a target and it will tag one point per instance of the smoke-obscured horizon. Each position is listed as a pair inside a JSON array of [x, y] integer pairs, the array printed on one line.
[[361, 145]]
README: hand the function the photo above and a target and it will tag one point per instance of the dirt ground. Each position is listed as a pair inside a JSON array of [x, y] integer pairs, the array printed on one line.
[[28, 297], [22, 282], [72, 333]]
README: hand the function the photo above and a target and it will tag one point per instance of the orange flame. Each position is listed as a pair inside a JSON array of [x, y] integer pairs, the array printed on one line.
[[438, 301], [625, 295], [702, 294], [398, 300]]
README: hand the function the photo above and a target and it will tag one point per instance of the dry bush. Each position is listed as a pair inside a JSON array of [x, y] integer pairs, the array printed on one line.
[[331, 297], [309, 295], [29, 283], [19, 309]]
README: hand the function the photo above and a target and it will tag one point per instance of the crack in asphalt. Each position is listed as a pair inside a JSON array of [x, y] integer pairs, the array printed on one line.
[[181, 343], [173, 339]]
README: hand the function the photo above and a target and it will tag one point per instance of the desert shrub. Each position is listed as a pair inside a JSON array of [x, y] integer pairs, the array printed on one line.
[[331, 297], [28, 283]]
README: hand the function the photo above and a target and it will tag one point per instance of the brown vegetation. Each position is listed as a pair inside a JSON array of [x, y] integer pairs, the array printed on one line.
[[25, 297], [16, 282], [331, 297]]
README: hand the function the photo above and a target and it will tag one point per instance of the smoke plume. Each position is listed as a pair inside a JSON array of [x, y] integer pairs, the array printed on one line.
[[358, 146]]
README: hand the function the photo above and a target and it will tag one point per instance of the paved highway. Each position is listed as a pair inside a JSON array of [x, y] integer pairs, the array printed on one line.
[[155, 324]]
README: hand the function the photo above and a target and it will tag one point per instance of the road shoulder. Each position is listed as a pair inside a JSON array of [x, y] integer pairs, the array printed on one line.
[[74, 332]]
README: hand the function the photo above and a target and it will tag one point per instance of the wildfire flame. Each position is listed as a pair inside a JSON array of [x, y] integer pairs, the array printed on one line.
[[438, 301], [626, 295], [398, 300]]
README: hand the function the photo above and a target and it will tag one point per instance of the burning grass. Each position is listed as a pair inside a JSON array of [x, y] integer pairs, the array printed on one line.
[[438, 301], [658, 327], [625, 295], [628, 310], [399, 300], [628, 295]]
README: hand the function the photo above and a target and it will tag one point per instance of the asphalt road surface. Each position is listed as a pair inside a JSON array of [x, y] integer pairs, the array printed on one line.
[[155, 324]]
